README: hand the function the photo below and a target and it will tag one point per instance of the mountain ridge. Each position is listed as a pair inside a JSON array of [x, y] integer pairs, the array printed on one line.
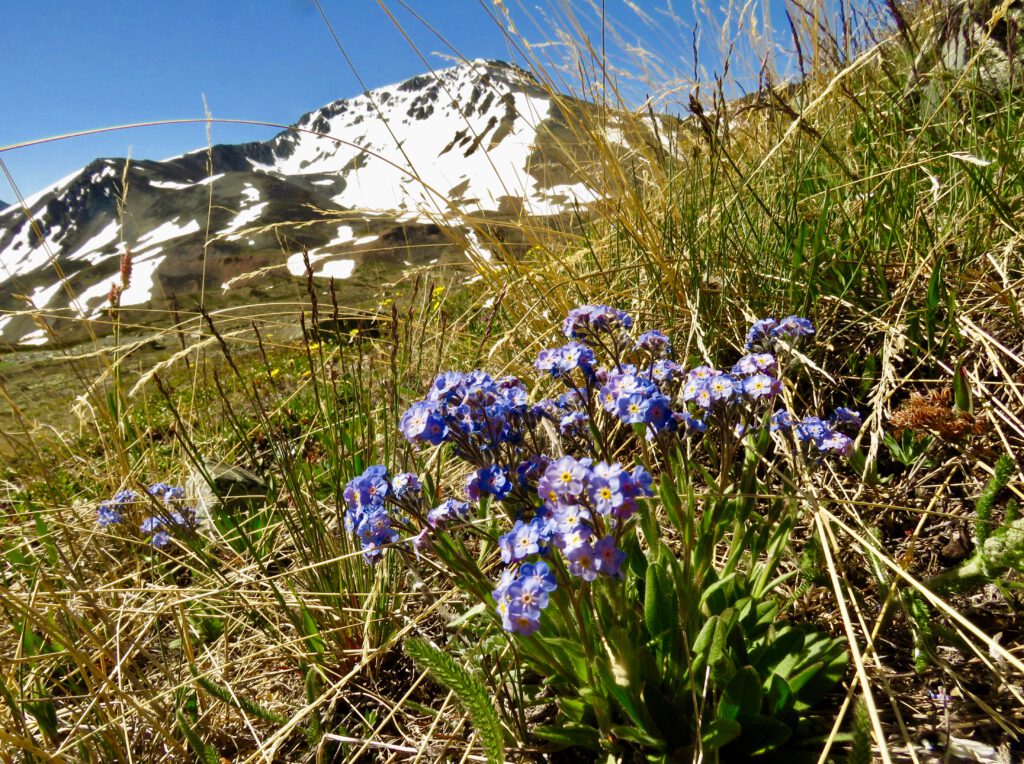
[[467, 143]]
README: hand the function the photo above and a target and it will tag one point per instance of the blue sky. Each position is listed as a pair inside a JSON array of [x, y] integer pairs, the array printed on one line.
[[71, 65]]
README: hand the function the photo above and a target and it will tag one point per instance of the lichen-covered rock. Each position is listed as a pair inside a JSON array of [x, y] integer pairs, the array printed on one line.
[[982, 40], [1004, 551]]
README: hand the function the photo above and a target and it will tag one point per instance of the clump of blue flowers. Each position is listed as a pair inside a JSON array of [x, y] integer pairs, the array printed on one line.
[[567, 517], [110, 512], [366, 514], [646, 619], [767, 333], [159, 527]]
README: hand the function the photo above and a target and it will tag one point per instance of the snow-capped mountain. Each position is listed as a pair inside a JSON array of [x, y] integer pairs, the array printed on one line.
[[360, 184]]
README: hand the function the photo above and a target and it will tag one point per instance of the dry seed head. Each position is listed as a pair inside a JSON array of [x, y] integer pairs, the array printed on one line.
[[933, 412], [126, 268]]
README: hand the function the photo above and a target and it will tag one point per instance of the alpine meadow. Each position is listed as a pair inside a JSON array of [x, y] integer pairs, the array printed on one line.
[[651, 391]]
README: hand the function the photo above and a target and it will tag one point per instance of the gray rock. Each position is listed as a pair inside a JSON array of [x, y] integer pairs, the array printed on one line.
[[977, 39], [230, 487]]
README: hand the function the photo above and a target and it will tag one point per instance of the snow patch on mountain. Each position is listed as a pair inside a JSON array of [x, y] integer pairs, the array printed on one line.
[[92, 301], [167, 231], [169, 184], [337, 268], [41, 295], [54, 189], [344, 235], [37, 337], [104, 172], [140, 290], [21, 258], [91, 250]]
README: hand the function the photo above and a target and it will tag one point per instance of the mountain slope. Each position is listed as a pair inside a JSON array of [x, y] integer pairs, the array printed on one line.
[[360, 184]]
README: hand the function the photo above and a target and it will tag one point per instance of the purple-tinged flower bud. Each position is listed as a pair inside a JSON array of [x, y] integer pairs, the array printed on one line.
[[760, 331], [473, 492], [792, 327], [126, 496], [421, 539], [548, 360], [422, 423], [494, 481], [848, 417], [158, 490], [151, 524], [586, 320], [573, 424], [811, 429], [583, 562], [691, 424], [447, 510], [654, 342], [446, 386]]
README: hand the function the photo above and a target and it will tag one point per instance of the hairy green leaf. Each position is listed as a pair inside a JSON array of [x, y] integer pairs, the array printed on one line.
[[469, 691], [205, 753]]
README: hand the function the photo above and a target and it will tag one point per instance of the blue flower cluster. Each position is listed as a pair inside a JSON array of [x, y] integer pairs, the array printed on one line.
[[447, 512], [522, 594], [174, 514], [826, 435], [765, 332], [588, 320], [109, 512], [568, 515], [474, 411], [558, 362], [643, 386], [367, 514], [736, 394], [635, 398]]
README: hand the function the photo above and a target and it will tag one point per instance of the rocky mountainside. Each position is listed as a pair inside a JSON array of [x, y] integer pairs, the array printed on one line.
[[364, 185]]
